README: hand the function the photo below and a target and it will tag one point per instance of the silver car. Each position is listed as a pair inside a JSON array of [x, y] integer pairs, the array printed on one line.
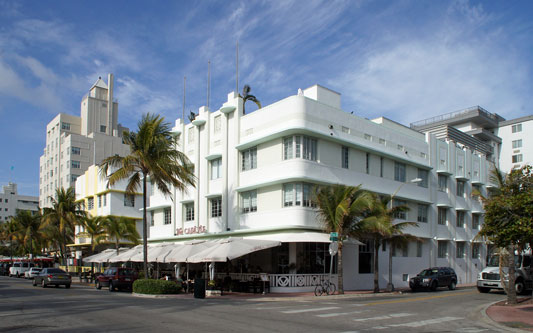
[[33, 272], [52, 276]]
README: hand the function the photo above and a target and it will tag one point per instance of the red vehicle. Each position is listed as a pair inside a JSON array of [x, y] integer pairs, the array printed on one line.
[[117, 278]]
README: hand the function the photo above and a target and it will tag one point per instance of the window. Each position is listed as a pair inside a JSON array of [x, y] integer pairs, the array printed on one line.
[[443, 183], [75, 164], [423, 174], [402, 215], [422, 213], [90, 203], [103, 128], [75, 151], [517, 158], [475, 251], [216, 207], [368, 137], [399, 147], [168, 215], [517, 144], [189, 211], [217, 125], [460, 188], [344, 157], [65, 126], [460, 252], [216, 168], [249, 201], [99, 201], [516, 128], [382, 141], [249, 159], [460, 219], [367, 163], [297, 194], [475, 221], [381, 160], [441, 215], [190, 137], [442, 251], [345, 129], [129, 200], [366, 255], [152, 218], [300, 146], [399, 172], [404, 248], [419, 249], [105, 199]]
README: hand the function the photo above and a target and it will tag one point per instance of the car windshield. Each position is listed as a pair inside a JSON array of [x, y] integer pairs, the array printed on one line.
[[56, 271], [126, 272], [494, 261], [428, 272]]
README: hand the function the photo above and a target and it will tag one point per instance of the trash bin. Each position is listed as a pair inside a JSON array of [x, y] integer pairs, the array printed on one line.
[[199, 288]]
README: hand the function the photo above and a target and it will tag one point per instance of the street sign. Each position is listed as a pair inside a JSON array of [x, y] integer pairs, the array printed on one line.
[[333, 248], [334, 236]]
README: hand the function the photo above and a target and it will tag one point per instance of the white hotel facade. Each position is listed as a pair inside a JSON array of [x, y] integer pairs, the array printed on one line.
[[255, 173]]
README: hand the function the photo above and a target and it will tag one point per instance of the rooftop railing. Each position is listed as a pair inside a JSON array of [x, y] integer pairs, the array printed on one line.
[[452, 115]]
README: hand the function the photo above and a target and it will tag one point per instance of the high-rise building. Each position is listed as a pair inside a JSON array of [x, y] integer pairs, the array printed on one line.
[[74, 143], [11, 202]]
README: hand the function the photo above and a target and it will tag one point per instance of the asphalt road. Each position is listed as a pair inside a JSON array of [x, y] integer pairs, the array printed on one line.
[[24, 308]]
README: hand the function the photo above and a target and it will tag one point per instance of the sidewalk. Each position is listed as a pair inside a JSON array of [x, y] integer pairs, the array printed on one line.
[[518, 316]]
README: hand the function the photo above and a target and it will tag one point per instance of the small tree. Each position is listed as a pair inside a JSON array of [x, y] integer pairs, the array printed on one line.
[[121, 227]]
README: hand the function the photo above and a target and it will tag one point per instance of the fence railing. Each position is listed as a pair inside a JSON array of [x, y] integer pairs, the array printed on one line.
[[299, 280]]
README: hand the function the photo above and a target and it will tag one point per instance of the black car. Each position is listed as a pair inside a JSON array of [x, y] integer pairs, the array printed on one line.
[[52, 276], [435, 277]]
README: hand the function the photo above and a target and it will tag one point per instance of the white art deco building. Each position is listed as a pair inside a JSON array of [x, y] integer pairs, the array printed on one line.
[[11, 202], [255, 174]]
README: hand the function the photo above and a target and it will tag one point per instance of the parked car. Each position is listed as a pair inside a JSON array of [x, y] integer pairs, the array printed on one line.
[[30, 274], [4, 268], [435, 277], [52, 276], [19, 268], [116, 278]]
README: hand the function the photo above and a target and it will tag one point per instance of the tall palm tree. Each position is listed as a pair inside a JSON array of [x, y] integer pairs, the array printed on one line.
[[63, 216], [95, 228], [28, 227], [121, 227], [379, 226], [8, 233], [340, 208], [153, 155]]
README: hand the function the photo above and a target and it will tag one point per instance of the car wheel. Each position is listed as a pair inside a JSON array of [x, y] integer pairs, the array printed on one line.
[[452, 285], [67, 286], [98, 285], [519, 287], [43, 284], [483, 290], [434, 286], [34, 283], [111, 287]]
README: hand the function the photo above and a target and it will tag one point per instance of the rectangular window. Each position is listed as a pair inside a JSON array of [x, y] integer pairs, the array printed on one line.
[[460, 253], [400, 215], [216, 207], [217, 125], [65, 126], [442, 251], [129, 200], [300, 146], [249, 201], [90, 203], [517, 158], [297, 194], [475, 251], [399, 172], [287, 148], [249, 159], [75, 164], [367, 163], [368, 137], [152, 221], [366, 255], [75, 151], [517, 144], [168, 215], [344, 157], [443, 183], [381, 167], [99, 201], [309, 148], [423, 174], [460, 188], [441, 215], [475, 221], [422, 213], [190, 137], [460, 219], [103, 128], [105, 199], [381, 141], [216, 168], [516, 128], [419, 249]]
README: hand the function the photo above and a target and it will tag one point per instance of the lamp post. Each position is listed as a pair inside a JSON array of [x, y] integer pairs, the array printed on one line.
[[390, 285]]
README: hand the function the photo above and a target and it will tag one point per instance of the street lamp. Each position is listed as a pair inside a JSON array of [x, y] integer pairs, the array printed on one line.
[[390, 286]]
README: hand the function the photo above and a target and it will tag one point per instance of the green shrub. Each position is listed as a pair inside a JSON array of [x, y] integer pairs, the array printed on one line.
[[156, 287]]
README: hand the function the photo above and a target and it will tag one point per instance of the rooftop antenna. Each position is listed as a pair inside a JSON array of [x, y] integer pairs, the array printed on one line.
[[183, 110], [237, 65], [208, 81]]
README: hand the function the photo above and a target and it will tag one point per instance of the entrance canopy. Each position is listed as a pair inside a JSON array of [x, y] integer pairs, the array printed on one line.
[[103, 256], [231, 248]]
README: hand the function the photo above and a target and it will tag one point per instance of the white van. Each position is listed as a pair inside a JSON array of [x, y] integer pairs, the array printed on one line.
[[19, 268]]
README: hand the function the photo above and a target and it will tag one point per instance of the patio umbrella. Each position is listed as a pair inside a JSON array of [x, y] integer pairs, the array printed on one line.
[[156, 253], [231, 248], [126, 255], [101, 257], [180, 253]]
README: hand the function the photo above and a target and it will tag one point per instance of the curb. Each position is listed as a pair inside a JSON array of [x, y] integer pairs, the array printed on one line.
[[492, 322]]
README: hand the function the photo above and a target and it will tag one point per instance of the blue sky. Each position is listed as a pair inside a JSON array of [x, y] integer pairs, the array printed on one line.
[[406, 60]]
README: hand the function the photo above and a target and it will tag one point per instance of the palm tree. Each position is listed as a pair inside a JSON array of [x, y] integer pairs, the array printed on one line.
[[121, 227], [28, 228], [379, 226], [340, 208], [95, 228], [62, 217], [9, 231], [153, 155]]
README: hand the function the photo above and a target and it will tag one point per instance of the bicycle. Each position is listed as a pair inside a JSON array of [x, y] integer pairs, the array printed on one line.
[[325, 287]]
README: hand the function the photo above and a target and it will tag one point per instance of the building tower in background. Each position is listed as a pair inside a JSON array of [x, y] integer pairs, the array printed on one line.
[[11, 202]]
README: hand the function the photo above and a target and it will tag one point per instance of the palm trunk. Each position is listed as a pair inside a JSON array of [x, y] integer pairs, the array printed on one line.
[[145, 236], [339, 267], [511, 294], [376, 266]]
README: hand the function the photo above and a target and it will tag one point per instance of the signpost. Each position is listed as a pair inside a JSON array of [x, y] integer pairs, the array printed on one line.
[[333, 249]]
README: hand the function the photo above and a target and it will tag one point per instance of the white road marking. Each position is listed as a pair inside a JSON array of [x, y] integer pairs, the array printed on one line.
[[394, 315], [472, 329], [274, 307], [327, 315], [426, 322], [311, 310]]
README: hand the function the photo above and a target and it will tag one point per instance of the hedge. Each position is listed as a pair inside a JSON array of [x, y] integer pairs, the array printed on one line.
[[156, 287]]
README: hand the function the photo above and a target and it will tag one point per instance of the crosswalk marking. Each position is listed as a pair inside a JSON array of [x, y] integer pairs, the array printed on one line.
[[327, 315], [311, 310], [426, 322], [391, 316]]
